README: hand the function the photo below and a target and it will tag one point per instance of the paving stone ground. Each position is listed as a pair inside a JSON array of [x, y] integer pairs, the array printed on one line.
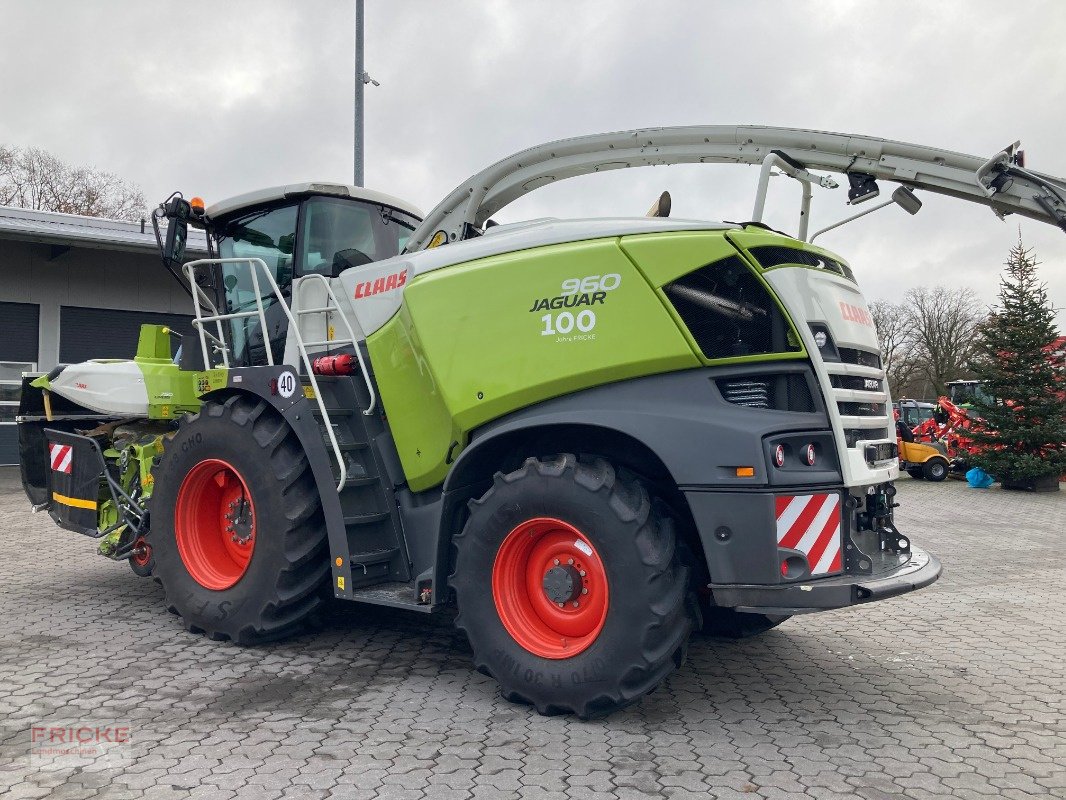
[[955, 691]]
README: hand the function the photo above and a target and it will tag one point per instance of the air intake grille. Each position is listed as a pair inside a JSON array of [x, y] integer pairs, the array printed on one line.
[[856, 383], [775, 255], [754, 394], [783, 392], [729, 312], [863, 358], [852, 436], [861, 409]]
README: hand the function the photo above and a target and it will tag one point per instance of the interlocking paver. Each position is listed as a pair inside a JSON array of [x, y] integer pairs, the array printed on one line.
[[956, 691]]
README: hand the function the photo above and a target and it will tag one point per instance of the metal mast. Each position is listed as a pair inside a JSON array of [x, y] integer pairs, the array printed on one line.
[[360, 82]]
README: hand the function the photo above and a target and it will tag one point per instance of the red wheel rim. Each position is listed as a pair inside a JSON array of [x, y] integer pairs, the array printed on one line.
[[142, 552], [550, 588], [214, 524]]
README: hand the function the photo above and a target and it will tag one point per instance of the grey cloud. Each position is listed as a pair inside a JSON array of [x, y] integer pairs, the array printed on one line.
[[217, 98]]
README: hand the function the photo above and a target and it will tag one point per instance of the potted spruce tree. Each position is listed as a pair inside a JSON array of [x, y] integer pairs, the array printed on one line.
[[1021, 433]]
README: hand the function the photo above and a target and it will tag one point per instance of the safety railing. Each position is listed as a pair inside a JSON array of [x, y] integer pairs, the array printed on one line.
[[332, 307], [220, 346]]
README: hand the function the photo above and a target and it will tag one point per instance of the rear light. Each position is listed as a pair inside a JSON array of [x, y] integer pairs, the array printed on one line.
[[809, 455], [779, 456], [793, 567]]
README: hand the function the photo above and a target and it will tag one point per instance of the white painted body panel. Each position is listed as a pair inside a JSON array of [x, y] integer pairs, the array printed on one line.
[[816, 296], [106, 387]]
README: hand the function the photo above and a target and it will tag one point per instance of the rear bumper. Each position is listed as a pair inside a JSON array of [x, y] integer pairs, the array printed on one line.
[[909, 572]]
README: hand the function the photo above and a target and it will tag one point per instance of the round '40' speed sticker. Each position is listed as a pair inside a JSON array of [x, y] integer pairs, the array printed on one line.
[[286, 384]]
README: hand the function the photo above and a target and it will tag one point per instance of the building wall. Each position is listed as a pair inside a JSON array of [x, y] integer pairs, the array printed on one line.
[[83, 277], [90, 278]]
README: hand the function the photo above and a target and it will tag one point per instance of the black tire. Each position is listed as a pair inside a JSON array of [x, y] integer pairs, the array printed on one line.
[[935, 469], [728, 623], [286, 580], [916, 472], [650, 611]]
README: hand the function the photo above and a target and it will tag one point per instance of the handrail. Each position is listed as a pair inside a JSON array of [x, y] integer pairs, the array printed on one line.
[[190, 269], [200, 298], [327, 310]]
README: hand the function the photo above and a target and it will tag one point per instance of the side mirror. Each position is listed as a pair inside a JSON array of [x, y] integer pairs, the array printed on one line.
[[907, 200], [177, 236]]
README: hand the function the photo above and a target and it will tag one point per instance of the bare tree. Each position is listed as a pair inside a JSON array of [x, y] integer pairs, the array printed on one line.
[[895, 331], [944, 323], [34, 178]]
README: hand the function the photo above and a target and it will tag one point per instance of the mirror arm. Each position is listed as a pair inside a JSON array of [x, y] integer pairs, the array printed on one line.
[[156, 214], [853, 217]]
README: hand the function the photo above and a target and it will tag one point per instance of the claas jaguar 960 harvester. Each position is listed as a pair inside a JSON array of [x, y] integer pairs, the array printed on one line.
[[590, 436]]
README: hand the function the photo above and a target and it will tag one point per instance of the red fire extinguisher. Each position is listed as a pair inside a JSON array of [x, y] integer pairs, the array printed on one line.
[[344, 364]]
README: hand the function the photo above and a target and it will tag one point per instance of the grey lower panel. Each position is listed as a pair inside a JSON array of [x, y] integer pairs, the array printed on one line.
[[739, 535]]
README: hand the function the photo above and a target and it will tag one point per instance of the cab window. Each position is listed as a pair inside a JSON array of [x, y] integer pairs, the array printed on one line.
[[340, 234], [270, 235]]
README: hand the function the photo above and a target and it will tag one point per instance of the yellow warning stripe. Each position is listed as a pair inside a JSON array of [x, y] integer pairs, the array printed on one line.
[[73, 501]]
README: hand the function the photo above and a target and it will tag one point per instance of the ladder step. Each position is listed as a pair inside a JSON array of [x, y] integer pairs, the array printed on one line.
[[362, 480], [374, 557], [333, 412], [346, 447], [366, 519], [392, 593]]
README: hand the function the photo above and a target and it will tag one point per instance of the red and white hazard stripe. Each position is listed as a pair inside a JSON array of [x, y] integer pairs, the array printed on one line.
[[62, 456], [810, 523]]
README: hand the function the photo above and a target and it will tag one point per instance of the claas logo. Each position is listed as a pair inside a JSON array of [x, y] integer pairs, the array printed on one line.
[[856, 314], [385, 284]]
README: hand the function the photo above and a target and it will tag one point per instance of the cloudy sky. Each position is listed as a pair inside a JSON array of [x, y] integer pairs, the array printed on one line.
[[217, 98]]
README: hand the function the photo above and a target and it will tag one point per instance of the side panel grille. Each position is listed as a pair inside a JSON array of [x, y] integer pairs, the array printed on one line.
[[779, 391], [754, 394]]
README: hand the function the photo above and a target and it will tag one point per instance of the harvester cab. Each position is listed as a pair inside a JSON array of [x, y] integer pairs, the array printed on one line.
[[294, 231], [591, 436]]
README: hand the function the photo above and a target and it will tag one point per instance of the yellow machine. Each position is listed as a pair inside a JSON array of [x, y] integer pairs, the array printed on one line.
[[921, 460]]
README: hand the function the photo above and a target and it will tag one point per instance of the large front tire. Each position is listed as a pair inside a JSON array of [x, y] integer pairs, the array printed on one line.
[[570, 589], [238, 537]]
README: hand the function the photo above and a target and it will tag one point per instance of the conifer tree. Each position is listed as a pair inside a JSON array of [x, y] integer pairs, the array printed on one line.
[[1021, 438]]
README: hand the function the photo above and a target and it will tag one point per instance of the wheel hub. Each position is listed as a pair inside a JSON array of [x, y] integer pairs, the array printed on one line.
[[239, 521], [562, 584]]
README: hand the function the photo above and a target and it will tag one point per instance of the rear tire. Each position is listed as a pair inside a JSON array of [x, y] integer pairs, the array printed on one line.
[[916, 472], [634, 630], [728, 623], [248, 575], [935, 469]]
